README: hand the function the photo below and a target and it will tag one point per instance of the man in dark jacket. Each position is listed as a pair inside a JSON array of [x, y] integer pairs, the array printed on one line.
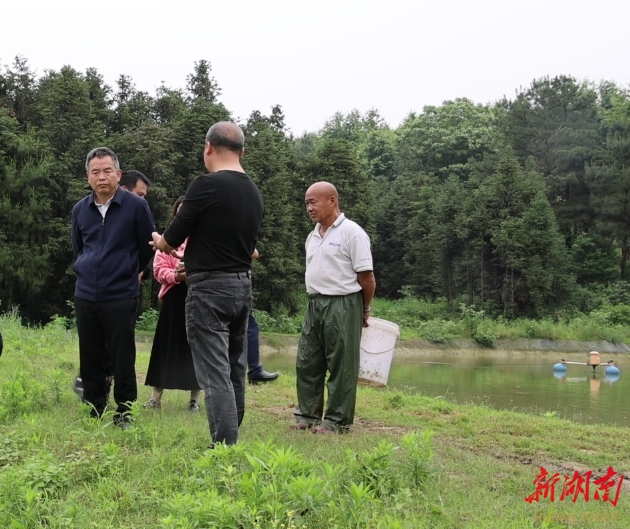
[[137, 183], [110, 233]]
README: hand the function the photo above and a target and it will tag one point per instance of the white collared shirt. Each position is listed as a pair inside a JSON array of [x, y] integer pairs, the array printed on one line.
[[103, 207], [333, 261]]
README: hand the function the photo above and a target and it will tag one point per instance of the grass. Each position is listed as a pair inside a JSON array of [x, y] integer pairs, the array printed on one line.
[[410, 461], [432, 320]]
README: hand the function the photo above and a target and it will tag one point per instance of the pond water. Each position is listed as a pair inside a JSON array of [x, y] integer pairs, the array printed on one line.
[[522, 381]]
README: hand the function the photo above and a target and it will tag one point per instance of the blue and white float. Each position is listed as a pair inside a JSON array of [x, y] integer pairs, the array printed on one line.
[[612, 370]]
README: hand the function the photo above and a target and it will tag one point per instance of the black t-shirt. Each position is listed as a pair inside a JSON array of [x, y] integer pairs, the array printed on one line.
[[221, 216]]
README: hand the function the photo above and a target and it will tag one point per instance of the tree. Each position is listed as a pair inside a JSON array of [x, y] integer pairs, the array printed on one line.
[[555, 121], [443, 246], [609, 177], [353, 126], [269, 160], [593, 260], [527, 257], [399, 247], [25, 217], [200, 85], [369, 134], [18, 92], [169, 105], [132, 107], [534, 253], [443, 139], [378, 150]]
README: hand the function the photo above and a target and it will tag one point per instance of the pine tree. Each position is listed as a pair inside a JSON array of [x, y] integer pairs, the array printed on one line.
[[25, 216], [269, 160]]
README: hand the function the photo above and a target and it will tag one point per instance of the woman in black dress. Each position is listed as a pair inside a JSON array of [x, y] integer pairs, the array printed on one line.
[[171, 363]]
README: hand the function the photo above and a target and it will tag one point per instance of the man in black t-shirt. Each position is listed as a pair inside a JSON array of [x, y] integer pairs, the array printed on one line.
[[221, 217]]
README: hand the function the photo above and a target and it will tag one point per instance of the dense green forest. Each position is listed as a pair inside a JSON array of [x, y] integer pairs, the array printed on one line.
[[520, 207]]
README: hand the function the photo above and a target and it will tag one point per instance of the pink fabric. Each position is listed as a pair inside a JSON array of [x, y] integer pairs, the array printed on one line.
[[164, 267]]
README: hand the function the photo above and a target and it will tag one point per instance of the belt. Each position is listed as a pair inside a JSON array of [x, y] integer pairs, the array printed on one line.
[[200, 276]]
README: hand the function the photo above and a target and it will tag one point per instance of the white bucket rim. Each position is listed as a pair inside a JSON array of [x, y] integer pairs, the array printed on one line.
[[380, 323], [386, 326]]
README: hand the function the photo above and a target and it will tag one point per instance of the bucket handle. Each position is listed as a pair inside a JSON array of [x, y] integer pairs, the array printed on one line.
[[376, 353]]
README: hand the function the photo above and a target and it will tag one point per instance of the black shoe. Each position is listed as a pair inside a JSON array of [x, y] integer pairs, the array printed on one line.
[[122, 421], [263, 377]]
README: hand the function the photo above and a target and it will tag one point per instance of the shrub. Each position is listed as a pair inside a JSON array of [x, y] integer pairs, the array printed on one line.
[[21, 394], [281, 324], [148, 320], [484, 335], [433, 331], [617, 314]]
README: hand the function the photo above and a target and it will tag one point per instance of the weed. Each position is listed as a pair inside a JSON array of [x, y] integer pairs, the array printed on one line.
[[484, 336], [376, 468], [148, 320], [418, 453], [281, 323], [395, 401], [21, 394]]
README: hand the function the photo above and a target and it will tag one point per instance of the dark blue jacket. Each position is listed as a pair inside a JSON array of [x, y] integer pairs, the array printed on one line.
[[110, 252]]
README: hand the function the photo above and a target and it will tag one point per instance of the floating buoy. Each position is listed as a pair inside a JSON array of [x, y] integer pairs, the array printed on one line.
[[559, 367], [612, 370]]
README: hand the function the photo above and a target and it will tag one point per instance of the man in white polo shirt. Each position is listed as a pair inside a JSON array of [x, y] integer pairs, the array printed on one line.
[[340, 284]]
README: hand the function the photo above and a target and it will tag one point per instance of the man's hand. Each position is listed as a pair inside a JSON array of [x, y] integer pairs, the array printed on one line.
[[156, 241], [159, 243], [368, 285]]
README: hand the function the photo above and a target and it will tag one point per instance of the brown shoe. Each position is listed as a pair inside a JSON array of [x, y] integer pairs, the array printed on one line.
[[300, 426], [322, 429]]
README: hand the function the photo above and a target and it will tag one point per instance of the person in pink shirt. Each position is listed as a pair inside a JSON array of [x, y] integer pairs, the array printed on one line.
[[171, 364]]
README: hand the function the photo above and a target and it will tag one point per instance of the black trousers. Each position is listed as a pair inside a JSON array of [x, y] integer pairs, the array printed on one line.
[[107, 334]]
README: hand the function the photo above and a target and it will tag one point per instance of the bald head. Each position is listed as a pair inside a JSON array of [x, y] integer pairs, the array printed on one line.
[[324, 190], [322, 203], [225, 135]]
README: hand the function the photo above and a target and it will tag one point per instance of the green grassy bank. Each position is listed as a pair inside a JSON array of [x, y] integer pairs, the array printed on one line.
[[434, 321], [409, 462]]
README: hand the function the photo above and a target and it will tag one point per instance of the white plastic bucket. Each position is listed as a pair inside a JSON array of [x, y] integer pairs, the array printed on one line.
[[377, 351]]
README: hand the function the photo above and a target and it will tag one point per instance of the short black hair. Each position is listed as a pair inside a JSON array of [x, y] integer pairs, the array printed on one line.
[[101, 152], [226, 135], [130, 178]]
